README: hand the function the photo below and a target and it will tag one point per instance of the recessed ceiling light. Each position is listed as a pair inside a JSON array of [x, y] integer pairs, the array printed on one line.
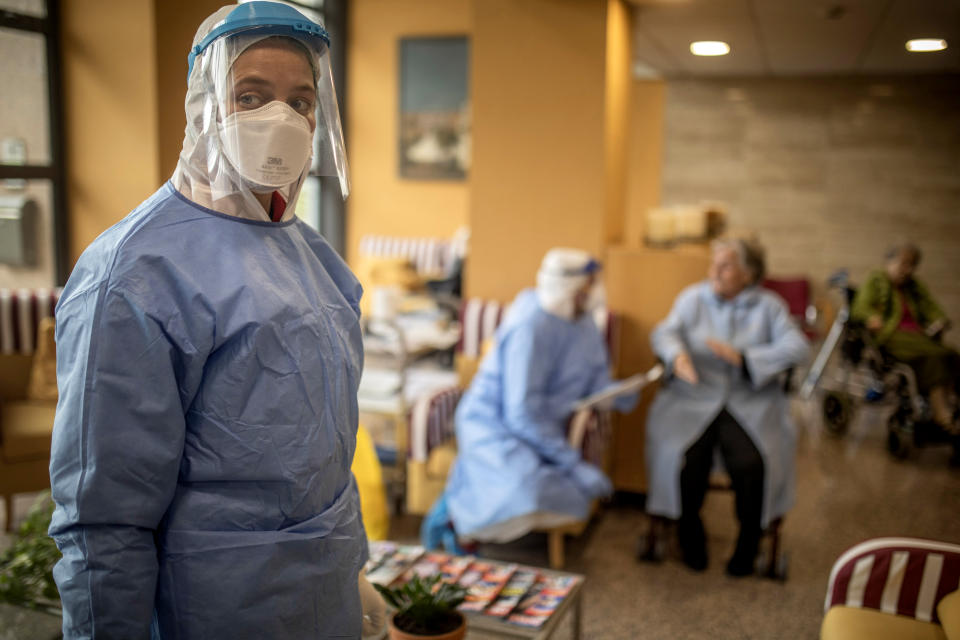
[[709, 48], [926, 44]]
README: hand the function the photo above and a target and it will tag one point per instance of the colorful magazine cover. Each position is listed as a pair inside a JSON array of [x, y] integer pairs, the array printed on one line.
[[394, 564], [379, 550], [543, 600], [510, 597], [428, 565], [454, 568], [449, 567], [485, 581]]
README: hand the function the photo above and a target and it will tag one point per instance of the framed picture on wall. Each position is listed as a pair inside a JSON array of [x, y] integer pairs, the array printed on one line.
[[434, 127]]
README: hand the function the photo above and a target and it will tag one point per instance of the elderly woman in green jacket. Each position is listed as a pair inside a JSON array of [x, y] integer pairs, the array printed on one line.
[[907, 323]]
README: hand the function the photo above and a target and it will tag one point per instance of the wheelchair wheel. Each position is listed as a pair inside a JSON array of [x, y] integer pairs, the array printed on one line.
[[837, 412]]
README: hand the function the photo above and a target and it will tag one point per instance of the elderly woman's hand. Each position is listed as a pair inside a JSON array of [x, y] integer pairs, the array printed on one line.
[[937, 327], [683, 368], [725, 352]]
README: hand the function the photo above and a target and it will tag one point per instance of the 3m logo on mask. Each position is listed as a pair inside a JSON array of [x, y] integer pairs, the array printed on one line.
[[269, 146]]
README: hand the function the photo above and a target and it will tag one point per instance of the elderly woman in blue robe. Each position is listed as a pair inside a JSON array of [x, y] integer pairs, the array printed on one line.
[[515, 470], [724, 344]]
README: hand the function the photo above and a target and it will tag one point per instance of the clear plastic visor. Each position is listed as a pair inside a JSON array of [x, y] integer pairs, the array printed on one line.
[[272, 110]]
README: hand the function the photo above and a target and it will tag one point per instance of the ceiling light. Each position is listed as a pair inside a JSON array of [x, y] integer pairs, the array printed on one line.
[[709, 48], [926, 44]]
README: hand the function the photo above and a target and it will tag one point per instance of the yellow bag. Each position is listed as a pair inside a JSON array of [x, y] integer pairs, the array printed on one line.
[[373, 495]]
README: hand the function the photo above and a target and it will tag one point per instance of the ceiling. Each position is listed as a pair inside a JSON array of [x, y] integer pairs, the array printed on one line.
[[794, 37]]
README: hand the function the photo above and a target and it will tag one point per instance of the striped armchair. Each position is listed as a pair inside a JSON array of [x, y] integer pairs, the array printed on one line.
[[430, 256], [27, 403], [21, 311], [894, 588]]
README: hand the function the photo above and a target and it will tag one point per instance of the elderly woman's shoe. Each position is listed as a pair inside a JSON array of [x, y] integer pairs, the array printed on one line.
[[693, 543], [744, 556]]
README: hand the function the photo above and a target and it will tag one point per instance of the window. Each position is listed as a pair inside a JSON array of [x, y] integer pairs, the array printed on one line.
[[33, 232]]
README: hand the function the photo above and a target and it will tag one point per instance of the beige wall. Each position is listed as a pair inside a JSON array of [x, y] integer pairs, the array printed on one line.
[[644, 156], [828, 171], [552, 131], [380, 202], [110, 102], [538, 129], [176, 21], [617, 107], [125, 75]]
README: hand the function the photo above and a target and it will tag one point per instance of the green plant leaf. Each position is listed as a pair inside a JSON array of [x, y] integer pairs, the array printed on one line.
[[26, 568]]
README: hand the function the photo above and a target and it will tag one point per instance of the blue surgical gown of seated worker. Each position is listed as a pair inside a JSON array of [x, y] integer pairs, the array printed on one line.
[[515, 470], [208, 369]]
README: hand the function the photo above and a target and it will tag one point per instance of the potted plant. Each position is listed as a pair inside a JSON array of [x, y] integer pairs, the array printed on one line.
[[425, 608], [26, 568]]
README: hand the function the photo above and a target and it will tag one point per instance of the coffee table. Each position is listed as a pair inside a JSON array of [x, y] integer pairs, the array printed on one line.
[[481, 627]]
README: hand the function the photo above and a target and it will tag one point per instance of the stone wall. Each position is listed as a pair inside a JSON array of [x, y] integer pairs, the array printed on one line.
[[827, 171]]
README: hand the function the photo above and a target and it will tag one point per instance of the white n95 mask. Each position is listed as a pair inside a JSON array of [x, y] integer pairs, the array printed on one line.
[[269, 146]]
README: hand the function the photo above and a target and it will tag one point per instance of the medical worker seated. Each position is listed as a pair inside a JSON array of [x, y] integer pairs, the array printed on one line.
[[725, 344], [908, 323], [515, 470], [209, 354]]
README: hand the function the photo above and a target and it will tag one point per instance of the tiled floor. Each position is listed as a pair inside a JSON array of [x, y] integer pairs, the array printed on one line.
[[848, 489]]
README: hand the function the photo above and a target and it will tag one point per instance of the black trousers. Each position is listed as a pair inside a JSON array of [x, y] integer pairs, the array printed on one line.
[[745, 467]]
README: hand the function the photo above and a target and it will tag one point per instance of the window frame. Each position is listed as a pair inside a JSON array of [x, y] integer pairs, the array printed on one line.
[[55, 171]]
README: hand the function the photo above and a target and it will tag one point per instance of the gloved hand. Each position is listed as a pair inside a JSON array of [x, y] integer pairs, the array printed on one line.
[[373, 607], [592, 480]]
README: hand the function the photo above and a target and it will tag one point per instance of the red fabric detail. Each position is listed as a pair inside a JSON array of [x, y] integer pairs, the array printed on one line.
[[841, 582], [949, 580], [907, 606], [277, 206], [913, 576], [907, 321], [877, 581], [796, 293]]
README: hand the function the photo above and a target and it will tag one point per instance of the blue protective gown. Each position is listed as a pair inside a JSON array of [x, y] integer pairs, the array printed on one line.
[[514, 469], [758, 324], [208, 369]]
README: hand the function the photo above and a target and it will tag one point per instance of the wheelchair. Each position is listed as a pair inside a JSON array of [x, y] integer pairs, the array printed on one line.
[[868, 375]]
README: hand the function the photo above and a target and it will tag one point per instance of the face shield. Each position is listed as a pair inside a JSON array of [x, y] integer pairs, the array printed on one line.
[[563, 276], [261, 107]]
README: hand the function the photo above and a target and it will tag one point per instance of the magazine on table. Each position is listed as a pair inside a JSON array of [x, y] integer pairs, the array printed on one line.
[[484, 582], [448, 567], [517, 595], [512, 593], [392, 561], [543, 600], [379, 550]]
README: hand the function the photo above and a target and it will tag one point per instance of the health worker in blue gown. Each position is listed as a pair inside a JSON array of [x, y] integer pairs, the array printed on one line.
[[208, 356], [725, 344], [515, 470]]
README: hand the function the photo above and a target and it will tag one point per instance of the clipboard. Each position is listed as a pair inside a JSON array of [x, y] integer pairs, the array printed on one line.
[[632, 384]]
